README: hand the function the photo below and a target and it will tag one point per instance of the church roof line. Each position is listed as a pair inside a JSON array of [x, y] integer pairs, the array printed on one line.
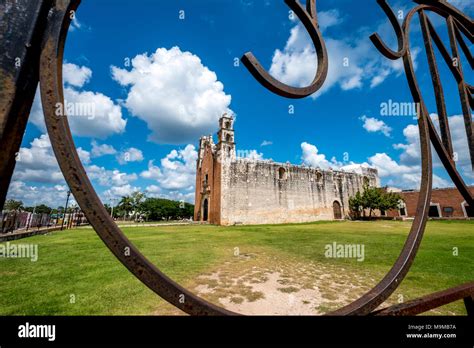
[[302, 166]]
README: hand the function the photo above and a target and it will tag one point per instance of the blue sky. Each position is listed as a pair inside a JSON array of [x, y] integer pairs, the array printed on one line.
[[158, 75]]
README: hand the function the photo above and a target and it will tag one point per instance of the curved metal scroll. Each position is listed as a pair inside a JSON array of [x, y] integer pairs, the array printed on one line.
[[427, 132], [456, 22], [309, 19], [80, 185], [432, 301], [377, 41], [76, 177], [372, 299]]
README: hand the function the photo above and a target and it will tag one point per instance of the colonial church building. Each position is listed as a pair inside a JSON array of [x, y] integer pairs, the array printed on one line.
[[231, 190]]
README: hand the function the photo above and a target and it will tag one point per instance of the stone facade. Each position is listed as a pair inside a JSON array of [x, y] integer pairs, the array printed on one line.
[[232, 191]]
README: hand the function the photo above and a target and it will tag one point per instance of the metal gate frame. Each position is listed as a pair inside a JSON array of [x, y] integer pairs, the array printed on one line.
[[33, 34]]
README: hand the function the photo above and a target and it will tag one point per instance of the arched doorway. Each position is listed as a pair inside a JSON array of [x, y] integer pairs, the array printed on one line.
[[205, 210], [337, 210]]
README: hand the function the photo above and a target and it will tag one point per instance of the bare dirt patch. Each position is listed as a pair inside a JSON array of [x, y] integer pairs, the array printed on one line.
[[267, 285], [260, 283]]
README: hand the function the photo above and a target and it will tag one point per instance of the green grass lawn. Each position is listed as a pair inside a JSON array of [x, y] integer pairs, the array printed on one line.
[[76, 265]]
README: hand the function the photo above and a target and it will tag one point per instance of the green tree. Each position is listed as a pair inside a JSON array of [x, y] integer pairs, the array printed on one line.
[[371, 199], [43, 209], [158, 209], [356, 205], [125, 205], [137, 200], [12, 205], [390, 200], [39, 209]]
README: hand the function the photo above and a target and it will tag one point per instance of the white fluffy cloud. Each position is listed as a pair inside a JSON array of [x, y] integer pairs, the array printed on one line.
[[37, 177], [118, 183], [178, 97], [109, 177], [84, 155], [75, 75], [406, 172], [131, 154], [311, 157], [411, 147], [99, 150], [251, 155], [373, 125], [402, 176], [52, 196], [354, 62], [95, 114], [254, 155], [329, 18], [177, 172], [388, 167], [38, 164], [106, 119], [392, 173], [116, 192]]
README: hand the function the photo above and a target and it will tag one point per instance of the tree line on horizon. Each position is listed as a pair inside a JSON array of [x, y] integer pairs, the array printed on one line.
[[138, 207], [135, 207]]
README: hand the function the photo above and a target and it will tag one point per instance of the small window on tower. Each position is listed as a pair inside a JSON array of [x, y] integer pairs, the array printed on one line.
[[319, 178], [366, 181], [282, 174], [228, 138]]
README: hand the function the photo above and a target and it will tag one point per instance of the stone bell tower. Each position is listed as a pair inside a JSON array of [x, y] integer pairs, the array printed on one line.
[[226, 140]]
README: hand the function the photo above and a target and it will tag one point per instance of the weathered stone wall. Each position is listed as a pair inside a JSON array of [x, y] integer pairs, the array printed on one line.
[[259, 192]]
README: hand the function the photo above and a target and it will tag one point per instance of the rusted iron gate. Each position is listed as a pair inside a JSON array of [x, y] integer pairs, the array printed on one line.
[[33, 35]]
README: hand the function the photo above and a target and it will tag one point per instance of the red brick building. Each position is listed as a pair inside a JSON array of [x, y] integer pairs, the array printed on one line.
[[445, 203]]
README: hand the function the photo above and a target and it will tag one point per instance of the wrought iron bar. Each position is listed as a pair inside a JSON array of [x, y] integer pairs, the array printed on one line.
[[432, 301], [42, 28], [309, 19], [22, 23]]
